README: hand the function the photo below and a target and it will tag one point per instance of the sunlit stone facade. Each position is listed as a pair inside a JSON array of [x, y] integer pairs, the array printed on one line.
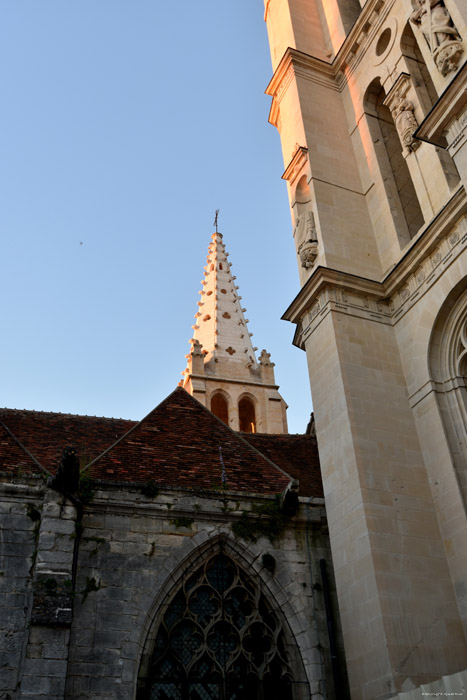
[[369, 99]]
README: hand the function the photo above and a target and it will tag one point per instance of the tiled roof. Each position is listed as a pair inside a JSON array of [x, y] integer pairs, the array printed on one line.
[[45, 435], [177, 444], [296, 454], [14, 459], [181, 443]]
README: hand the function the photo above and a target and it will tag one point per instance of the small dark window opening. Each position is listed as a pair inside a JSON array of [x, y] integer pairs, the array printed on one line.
[[220, 408], [246, 415]]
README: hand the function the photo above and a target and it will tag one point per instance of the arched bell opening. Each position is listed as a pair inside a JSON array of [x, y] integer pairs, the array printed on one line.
[[246, 415], [219, 637], [220, 407]]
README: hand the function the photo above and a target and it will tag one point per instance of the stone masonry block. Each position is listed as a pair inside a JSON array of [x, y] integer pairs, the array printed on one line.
[[68, 513], [65, 527], [20, 522], [45, 667], [8, 678], [10, 549], [51, 510], [46, 540], [20, 537], [55, 557], [16, 567]]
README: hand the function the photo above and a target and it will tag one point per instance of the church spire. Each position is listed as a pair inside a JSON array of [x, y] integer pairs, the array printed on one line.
[[220, 325], [222, 369]]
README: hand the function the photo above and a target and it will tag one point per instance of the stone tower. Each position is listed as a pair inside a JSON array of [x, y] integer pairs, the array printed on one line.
[[370, 102], [222, 370]]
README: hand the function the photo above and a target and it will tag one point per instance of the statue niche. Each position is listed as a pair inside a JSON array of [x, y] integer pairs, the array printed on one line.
[[442, 37], [307, 239], [403, 113]]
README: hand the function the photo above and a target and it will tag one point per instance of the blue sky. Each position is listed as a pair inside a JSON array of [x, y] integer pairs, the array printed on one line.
[[124, 125]]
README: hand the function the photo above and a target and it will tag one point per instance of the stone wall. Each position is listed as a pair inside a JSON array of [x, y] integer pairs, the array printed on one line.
[[117, 564]]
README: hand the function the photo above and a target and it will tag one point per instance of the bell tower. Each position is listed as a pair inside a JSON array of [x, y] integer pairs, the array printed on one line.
[[222, 371]]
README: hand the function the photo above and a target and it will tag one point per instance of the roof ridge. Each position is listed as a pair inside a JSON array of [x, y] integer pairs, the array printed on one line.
[[87, 466], [238, 436], [60, 413]]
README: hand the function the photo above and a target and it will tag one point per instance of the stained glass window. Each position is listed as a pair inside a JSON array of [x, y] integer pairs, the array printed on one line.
[[219, 639]]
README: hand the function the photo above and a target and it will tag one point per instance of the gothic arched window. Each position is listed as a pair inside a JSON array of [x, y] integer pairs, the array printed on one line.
[[219, 639]]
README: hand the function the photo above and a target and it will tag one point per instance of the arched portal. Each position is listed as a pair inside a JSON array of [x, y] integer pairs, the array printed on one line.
[[219, 638]]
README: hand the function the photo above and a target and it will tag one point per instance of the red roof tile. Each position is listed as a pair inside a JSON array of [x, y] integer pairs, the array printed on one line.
[[14, 459], [180, 443], [297, 454], [177, 444], [46, 435]]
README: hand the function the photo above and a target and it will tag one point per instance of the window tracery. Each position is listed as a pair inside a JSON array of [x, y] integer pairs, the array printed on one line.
[[219, 639]]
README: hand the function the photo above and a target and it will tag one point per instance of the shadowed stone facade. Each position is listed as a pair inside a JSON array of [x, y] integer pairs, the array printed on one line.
[[91, 580]]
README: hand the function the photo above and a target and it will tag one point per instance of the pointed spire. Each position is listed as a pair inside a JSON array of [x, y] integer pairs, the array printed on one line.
[[222, 369], [220, 325]]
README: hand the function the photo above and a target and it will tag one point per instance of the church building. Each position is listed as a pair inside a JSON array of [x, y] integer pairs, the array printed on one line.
[[203, 553], [185, 556]]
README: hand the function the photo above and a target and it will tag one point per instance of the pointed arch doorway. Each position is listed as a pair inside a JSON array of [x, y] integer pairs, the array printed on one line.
[[219, 638]]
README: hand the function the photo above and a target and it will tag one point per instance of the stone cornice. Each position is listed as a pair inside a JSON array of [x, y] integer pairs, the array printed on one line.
[[322, 278], [297, 162], [332, 74], [227, 380], [300, 60], [428, 256], [298, 64], [450, 104]]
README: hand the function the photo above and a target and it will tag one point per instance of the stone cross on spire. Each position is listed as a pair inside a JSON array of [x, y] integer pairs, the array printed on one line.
[[222, 370]]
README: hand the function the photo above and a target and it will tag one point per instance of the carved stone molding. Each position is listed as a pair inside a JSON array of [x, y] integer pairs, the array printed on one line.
[[450, 108], [296, 165], [389, 300]]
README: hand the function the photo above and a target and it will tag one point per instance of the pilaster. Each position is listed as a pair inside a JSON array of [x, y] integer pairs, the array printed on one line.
[[45, 666]]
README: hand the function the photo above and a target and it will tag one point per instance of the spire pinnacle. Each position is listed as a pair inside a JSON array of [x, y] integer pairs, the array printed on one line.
[[220, 325]]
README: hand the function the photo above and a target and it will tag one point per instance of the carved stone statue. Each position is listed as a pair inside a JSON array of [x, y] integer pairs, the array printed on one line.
[[441, 35], [402, 111], [308, 253], [308, 249], [66, 480]]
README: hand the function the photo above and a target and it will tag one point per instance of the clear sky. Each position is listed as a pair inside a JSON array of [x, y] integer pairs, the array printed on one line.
[[124, 124]]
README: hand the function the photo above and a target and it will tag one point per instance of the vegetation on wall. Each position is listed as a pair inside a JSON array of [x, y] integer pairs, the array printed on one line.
[[264, 520]]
